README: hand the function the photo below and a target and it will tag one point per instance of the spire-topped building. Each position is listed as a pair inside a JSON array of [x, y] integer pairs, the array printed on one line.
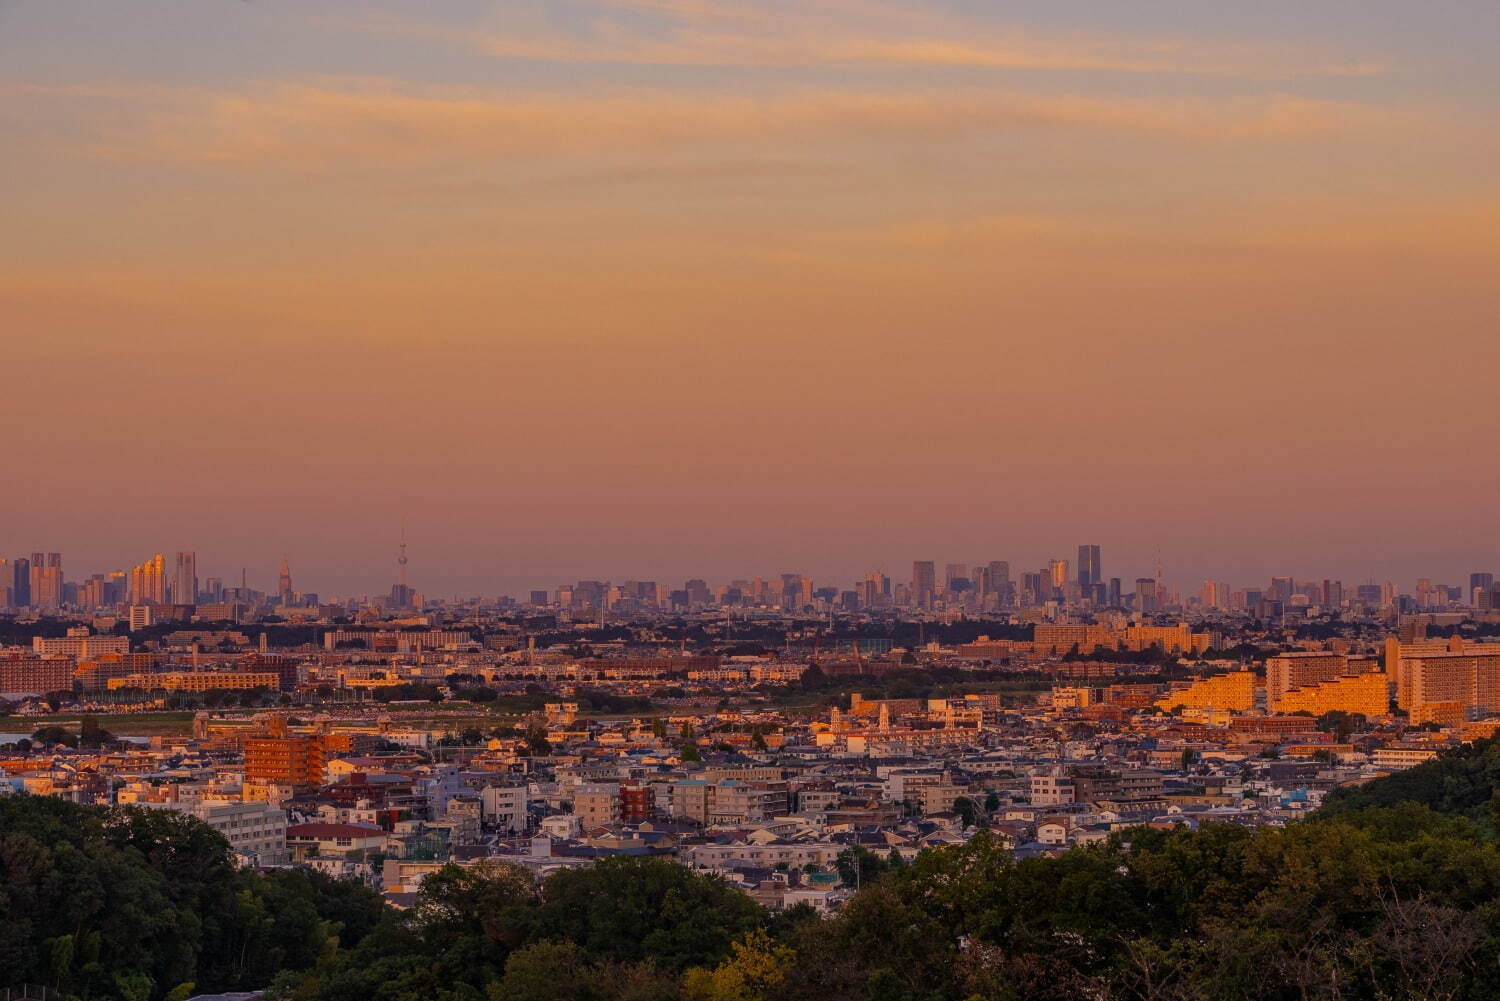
[[401, 593]]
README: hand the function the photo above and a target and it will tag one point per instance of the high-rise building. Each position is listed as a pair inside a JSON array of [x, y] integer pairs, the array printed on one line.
[[1425, 593], [148, 582], [1088, 568], [1479, 583], [185, 578], [1116, 596], [1209, 596], [923, 583], [1300, 669], [20, 591], [1035, 588], [1058, 571], [37, 564], [46, 580], [1147, 601], [1332, 594], [284, 584], [953, 573], [874, 590]]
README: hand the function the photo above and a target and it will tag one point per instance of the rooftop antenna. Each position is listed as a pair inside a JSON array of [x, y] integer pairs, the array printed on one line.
[[401, 557]]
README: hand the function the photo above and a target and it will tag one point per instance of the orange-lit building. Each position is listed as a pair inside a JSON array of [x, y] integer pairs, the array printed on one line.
[[1298, 670], [1234, 692], [1366, 694], [94, 673], [195, 681], [1442, 713], [279, 757]]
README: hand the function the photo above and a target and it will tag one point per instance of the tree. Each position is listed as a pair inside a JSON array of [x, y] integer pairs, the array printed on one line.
[[53, 734], [858, 866], [967, 812], [689, 752], [753, 972], [632, 909], [537, 745], [91, 734], [547, 971]]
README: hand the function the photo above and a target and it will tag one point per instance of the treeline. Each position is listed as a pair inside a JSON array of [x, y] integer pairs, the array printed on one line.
[[1462, 782], [1385, 903], [1366, 901], [139, 904]]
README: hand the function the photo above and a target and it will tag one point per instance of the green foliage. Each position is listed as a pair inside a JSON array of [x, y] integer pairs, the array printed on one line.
[[634, 909], [858, 866], [966, 810], [1460, 781], [132, 904]]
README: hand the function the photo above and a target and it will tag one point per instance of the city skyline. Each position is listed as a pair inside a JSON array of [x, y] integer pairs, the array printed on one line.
[[168, 568], [599, 284]]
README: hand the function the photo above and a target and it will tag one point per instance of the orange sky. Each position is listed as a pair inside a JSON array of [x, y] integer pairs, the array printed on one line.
[[667, 288]]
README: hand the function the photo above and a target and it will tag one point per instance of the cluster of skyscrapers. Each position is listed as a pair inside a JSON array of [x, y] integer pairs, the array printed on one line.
[[37, 582]]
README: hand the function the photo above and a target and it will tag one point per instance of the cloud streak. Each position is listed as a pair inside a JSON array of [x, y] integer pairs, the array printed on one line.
[[851, 33], [323, 124]]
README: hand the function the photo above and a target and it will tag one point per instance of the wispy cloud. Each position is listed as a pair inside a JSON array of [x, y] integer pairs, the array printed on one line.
[[321, 124], [817, 33]]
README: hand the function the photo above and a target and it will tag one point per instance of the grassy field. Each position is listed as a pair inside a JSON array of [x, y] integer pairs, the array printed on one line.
[[125, 724]]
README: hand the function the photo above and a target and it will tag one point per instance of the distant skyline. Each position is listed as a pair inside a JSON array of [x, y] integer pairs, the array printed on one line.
[[699, 287], [344, 577]]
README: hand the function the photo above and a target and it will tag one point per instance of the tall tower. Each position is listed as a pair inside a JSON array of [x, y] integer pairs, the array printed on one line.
[[284, 583], [401, 594], [401, 557]]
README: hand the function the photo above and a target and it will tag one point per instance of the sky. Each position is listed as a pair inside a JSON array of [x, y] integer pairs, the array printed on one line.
[[713, 288]]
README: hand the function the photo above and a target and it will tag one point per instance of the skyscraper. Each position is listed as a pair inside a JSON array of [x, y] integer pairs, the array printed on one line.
[[1147, 600], [148, 582], [20, 592], [1479, 582], [47, 589], [1058, 570], [1088, 568], [923, 583], [284, 583], [185, 578], [37, 564], [998, 574]]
